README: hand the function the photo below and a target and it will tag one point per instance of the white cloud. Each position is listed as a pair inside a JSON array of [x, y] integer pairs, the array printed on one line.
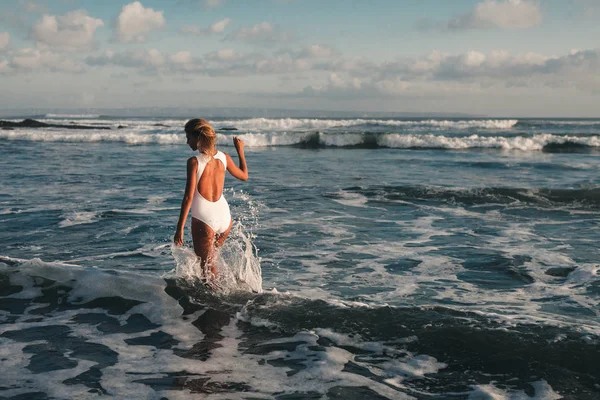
[[213, 3], [4, 40], [73, 31], [467, 66], [35, 59], [226, 55], [471, 71], [183, 61], [338, 82], [151, 59], [32, 7], [182, 57], [135, 22], [503, 14], [262, 33], [318, 51], [217, 27]]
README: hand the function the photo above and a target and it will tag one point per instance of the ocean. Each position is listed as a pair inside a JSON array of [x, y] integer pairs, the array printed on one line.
[[370, 259]]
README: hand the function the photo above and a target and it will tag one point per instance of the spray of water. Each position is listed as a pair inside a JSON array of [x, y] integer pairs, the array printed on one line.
[[237, 262]]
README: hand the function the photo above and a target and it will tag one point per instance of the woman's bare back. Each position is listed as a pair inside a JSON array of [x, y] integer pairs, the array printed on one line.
[[210, 185]]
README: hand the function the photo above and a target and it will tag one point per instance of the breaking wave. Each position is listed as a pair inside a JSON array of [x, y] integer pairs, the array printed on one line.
[[589, 197], [73, 116], [540, 142], [283, 124]]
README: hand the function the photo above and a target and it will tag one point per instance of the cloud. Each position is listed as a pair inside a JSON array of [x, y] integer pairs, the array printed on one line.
[[4, 40], [503, 14], [317, 51], [263, 33], [213, 3], [470, 71], [217, 27], [73, 31], [135, 22], [28, 59], [224, 55], [33, 7], [224, 62], [466, 73], [182, 57], [151, 59]]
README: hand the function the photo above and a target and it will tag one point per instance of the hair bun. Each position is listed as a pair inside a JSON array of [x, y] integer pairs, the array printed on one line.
[[204, 131]]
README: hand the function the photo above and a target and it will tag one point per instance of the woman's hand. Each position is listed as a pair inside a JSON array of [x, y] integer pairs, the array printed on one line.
[[239, 145], [178, 239]]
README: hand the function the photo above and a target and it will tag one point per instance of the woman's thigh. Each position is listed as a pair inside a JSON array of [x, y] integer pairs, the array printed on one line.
[[204, 238]]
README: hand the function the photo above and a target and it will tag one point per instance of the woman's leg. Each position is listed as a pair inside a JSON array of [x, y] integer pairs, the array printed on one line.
[[204, 245]]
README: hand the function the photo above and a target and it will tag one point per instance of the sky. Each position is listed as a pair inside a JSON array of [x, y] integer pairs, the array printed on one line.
[[499, 58]]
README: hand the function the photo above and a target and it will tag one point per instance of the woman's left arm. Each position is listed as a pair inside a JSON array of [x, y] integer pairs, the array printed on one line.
[[186, 203]]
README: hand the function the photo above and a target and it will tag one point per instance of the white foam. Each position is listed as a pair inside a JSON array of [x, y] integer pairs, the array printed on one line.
[[321, 369], [237, 265], [266, 139], [74, 116], [536, 142], [393, 140], [283, 124], [543, 391], [78, 218], [566, 122], [156, 199], [92, 136], [351, 199]]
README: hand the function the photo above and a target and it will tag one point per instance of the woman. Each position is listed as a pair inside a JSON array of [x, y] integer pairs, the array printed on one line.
[[211, 219]]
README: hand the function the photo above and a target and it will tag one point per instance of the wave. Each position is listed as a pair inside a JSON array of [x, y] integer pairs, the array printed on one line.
[[540, 142], [544, 142], [105, 330], [524, 143], [284, 124], [492, 195], [92, 137], [558, 123], [73, 116]]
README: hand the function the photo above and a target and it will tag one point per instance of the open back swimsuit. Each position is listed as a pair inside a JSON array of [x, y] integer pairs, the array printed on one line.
[[215, 214]]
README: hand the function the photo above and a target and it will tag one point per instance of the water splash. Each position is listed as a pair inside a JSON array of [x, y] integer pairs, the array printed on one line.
[[237, 262]]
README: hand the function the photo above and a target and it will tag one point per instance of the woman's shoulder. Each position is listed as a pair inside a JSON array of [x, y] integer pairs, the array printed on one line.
[[192, 161]]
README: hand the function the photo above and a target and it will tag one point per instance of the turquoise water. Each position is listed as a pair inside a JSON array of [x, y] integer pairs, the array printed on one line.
[[399, 258]]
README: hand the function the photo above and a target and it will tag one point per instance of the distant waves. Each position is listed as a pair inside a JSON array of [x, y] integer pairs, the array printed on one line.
[[545, 142], [314, 123]]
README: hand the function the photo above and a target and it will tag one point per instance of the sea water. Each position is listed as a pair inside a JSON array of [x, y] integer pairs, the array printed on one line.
[[370, 258]]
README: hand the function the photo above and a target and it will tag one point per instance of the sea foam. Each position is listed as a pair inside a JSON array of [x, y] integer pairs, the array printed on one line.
[[284, 124], [315, 139]]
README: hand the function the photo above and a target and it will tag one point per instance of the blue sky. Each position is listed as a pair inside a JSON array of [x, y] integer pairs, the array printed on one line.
[[485, 57]]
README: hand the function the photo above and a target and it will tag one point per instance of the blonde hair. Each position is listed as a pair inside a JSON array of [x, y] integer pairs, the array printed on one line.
[[205, 133]]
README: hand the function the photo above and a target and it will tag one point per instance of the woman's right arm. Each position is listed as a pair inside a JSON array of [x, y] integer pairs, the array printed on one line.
[[188, 196], [241, 171]]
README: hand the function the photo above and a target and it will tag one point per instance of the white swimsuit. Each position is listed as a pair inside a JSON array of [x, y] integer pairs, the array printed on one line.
[[215, 214]]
